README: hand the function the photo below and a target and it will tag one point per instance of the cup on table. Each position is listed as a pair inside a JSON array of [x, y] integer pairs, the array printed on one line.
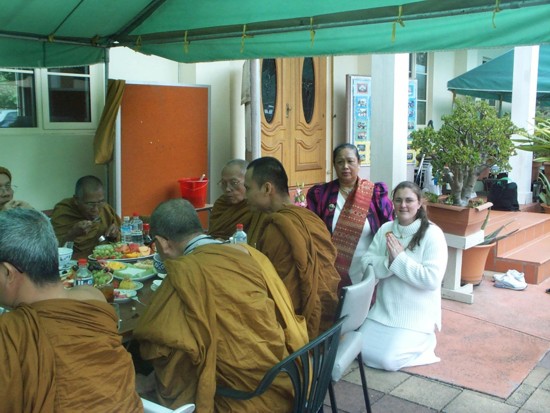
[[108, 291]]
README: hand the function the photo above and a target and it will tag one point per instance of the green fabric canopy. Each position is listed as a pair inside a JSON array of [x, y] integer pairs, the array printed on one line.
[[494, 79], [52, 33]]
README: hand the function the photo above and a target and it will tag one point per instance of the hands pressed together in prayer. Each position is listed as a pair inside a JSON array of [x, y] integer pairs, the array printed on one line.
[[394, 246]]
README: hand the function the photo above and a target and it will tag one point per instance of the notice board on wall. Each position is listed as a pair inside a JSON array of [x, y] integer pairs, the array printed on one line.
[[162, 136]]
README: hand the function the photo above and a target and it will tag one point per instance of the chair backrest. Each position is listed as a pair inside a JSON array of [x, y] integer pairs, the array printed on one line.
[[355, 302], [151, 407], [309, 369]]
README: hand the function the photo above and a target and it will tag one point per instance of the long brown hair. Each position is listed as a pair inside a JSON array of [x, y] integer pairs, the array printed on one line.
[[420, 214]]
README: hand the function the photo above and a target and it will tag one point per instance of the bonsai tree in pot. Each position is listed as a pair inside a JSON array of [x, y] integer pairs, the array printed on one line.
[[471, 139]]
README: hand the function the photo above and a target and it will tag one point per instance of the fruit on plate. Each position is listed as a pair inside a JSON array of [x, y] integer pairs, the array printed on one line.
[[127, 284], [115, 265], [144, 250]]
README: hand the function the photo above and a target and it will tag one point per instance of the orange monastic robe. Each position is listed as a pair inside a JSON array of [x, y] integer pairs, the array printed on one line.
[[225, 217], [299, 245], [221, 317], [65, 355]]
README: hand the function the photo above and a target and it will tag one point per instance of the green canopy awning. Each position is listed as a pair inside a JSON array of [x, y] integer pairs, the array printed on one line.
[[494, 79], [38, 33]]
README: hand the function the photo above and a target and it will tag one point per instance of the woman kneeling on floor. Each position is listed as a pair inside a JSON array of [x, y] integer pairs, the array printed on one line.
[[409, 257]]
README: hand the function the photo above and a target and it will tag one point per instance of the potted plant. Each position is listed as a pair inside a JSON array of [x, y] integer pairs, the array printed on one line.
[[471, 139], [539, 144], [475, 258]]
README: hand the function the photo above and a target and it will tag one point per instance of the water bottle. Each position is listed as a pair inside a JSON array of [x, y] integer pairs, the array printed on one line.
[[83, 275], [126, 230], [137, 229], [239, 237]]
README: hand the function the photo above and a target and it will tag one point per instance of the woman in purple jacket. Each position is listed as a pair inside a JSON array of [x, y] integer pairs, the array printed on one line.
[[353, 209]]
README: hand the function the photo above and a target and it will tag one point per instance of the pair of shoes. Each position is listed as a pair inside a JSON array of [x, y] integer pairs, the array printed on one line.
[[510, 273], [512, 280]]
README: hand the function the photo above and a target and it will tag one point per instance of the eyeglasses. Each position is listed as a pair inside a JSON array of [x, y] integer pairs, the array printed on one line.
[[7, 187], [233, 184], [97, 204]]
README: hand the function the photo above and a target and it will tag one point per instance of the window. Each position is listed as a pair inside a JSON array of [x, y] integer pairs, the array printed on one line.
[[55, 98], [418, 69]]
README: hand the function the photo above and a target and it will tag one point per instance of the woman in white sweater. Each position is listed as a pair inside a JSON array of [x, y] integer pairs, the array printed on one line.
[[409, 257]]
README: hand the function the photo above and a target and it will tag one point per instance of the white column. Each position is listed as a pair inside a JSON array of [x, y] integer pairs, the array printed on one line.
[[524, 96], [390, 79]]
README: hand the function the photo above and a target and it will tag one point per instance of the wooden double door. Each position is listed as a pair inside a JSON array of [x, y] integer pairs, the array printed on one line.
[[294, 120]]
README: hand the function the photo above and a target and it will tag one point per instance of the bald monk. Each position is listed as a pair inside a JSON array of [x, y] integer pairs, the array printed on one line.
[[231, 208], [222, 317], [85, 217], [60, 348], [297, 242]]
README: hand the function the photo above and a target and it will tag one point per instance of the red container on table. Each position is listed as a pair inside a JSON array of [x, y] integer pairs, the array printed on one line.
[[194, 190]]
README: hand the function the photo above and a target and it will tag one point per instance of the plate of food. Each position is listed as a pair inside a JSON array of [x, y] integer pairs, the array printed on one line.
[[123, 296], [128, 284], [121, 252], [101, 275], [135, 272]]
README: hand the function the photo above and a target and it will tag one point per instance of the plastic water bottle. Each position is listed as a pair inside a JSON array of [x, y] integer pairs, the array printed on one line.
[[239, 237], [126, 230], [83, 275], [137, 229]]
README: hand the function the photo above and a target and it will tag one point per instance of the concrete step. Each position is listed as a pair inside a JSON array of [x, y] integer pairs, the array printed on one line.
[[527, 250]]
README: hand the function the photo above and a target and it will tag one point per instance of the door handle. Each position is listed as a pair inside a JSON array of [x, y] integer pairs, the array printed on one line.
[[288, 109]]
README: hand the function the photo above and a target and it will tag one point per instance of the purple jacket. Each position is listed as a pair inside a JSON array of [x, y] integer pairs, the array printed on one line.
[[322, 198]]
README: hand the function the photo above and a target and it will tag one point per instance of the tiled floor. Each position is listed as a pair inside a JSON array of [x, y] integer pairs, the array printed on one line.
[[411, 392], [397, 392]]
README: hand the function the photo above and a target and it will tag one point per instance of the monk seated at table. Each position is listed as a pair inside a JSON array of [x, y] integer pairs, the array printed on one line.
[[60, 348], [231, 208], [297, 242], [85, 219], [221, 317]]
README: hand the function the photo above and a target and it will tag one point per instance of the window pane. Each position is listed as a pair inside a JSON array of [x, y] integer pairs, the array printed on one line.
[[69, 97], [17, 99], [308, 88], [421, 112], [421, 80], [269, 88], [81, 70]]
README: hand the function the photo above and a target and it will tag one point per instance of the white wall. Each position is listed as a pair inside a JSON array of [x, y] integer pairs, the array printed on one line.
[[45, 165]]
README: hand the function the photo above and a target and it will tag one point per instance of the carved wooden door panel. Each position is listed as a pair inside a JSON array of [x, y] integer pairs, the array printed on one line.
[[294, 119]]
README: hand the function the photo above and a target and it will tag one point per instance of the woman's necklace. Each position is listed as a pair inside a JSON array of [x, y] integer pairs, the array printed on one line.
[[346, 191]]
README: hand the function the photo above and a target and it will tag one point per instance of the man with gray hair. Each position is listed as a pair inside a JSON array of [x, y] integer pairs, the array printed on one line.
[[231, 208], [222, 317], [52, 337]]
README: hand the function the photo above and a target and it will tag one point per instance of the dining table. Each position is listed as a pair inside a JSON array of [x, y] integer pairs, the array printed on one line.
[[131, 310]]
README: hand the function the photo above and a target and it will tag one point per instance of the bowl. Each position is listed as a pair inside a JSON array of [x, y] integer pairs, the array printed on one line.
[[65, 255], [158, 264]]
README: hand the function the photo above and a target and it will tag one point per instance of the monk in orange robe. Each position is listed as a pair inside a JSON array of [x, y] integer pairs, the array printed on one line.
[[60, 348], [221, 317], [231, 207], [85, 217], [297, 242]]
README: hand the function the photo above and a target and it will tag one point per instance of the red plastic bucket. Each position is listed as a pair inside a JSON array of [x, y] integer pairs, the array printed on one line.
[[194, 190]]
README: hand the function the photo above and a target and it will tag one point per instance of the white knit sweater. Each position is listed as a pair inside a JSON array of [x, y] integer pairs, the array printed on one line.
[[409, 291]]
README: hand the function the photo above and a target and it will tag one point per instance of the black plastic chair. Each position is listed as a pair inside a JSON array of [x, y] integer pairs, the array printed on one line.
[[309, 369]]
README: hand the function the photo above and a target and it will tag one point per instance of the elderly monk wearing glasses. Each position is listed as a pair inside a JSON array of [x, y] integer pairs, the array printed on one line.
[[86, 218], [231, 207]]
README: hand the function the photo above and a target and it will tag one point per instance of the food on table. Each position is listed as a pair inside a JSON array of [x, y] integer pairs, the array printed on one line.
[[127, 284], [120, 250], [100, 272], [145, 264], [115, 265]]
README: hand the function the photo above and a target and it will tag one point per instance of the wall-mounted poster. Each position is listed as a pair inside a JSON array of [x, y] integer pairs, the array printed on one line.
[[358, 93], [411, 120]]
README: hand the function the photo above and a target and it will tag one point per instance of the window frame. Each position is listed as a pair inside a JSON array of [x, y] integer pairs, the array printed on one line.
[[41, 90], [414, 75]]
